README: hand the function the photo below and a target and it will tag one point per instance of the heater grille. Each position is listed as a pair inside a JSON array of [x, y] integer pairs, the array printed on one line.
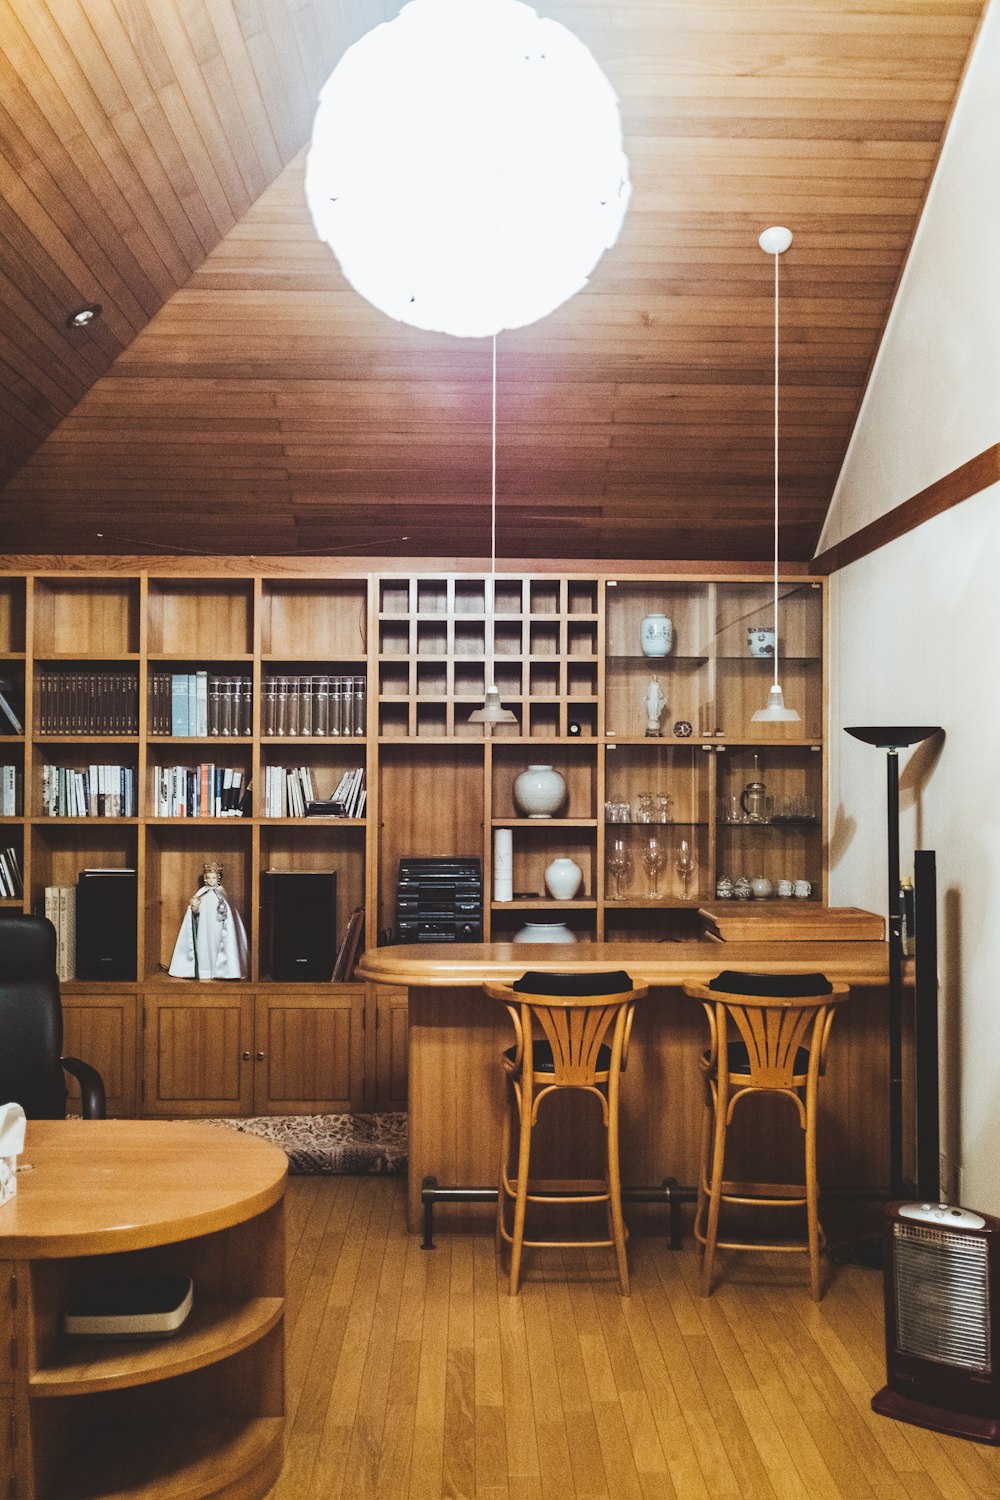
[[942, 1296]]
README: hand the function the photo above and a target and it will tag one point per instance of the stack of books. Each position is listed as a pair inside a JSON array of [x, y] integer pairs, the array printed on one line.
[[11, 707], [88, 703], [289, 792], [60, 908], [91, 792], [199, 704], [347, 954], [330, 707], [203, 791], [11, 883], [11, 791]]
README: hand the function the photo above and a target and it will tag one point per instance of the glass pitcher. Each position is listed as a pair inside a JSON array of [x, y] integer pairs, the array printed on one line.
[[753, 798]]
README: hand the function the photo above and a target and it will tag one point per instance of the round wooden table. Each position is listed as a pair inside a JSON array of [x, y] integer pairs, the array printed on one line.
[[200, 1413]]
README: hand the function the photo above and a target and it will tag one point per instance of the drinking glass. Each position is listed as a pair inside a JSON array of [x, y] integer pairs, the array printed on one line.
[[662, 808], [619, 863], [644, 811], [684, 863], [654, 857]]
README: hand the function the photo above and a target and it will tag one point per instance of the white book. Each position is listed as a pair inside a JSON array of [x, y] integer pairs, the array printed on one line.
[[66, 946], [201, 703]]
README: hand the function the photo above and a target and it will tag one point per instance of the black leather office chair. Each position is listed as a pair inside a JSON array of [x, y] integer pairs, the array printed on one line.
[[31, 1028]]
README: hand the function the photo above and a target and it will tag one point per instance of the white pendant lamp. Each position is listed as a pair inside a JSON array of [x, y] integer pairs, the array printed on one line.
[[775, 241], [466, 165], [492, 711]]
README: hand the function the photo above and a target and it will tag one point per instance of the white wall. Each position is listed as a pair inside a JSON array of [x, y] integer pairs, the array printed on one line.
[[916, 625]]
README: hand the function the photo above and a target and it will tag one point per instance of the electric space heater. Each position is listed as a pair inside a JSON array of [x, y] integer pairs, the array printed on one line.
[[942, 1320]]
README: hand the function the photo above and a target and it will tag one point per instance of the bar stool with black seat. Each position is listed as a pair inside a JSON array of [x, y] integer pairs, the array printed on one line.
[[571, 1031], [768, 1033]]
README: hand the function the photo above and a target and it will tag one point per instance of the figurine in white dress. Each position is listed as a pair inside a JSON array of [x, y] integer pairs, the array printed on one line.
[[212, 942]]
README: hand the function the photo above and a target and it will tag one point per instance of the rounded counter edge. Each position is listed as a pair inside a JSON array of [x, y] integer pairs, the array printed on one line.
[[456, 965]]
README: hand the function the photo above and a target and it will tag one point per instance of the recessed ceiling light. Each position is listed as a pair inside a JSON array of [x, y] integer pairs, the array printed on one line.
[[84, 315]]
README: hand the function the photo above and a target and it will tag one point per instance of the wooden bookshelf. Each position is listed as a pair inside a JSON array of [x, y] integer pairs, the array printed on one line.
[[565, 652]]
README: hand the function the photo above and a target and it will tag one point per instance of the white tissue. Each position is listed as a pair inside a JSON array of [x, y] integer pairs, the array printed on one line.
[[11, 1146]]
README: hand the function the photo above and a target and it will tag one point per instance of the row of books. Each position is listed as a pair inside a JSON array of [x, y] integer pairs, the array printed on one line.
[[11, 707], [60, 908], [92, 792], [304, 706], [88, 703], [11, 883], [289, 792], [203, 791], [11, 791], [350, 946], [199, 704]]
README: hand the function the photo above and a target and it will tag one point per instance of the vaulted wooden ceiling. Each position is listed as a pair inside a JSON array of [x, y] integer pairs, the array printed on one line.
[[237, 396]]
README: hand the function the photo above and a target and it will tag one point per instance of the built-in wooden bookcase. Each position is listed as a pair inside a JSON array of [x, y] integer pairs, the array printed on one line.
[[566, 654]]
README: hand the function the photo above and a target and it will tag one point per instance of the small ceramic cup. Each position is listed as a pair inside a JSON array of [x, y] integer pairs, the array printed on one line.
[[786, 888], [802, 889]]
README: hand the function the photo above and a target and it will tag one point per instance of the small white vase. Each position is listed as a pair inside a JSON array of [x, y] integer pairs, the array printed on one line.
[[544, 932], [656, 635], [539, 791], [760, 640], [563, 878]]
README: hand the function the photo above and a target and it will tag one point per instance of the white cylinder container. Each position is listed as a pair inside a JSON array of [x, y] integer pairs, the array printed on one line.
[[503, 865], [656, 635], [539, 791], [544, 932], [563, 878]]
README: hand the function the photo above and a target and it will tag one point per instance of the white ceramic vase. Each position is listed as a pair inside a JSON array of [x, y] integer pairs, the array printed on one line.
[[760, 640], [563, 878], [656, 635], [539, 791], [544, 932]]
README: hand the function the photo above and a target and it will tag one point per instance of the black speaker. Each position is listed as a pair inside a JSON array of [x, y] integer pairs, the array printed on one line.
[[302, 908], [106, 924]]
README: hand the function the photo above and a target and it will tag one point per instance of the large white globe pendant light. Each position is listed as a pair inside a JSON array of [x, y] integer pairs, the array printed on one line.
[[466, 165]]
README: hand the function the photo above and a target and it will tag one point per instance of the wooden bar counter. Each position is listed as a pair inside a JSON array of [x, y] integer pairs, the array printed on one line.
[[456, 1036]]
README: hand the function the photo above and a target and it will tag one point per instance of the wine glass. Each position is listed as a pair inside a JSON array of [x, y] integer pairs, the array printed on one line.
[[653, 859], [684, 863], [619, 864]]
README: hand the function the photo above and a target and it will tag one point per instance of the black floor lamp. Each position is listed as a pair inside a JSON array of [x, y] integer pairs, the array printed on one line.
[[892, 739]]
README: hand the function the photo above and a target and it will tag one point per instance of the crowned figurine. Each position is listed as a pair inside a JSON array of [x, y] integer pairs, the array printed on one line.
[[212, 942], [654, 703]]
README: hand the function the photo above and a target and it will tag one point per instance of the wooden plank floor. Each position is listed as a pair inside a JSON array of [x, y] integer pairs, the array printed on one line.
[[413, 1376]]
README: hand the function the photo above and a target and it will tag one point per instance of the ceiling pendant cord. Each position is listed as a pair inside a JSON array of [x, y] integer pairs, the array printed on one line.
[[776, 304], [493, 520]]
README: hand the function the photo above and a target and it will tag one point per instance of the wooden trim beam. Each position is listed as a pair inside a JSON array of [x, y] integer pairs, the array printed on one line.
[[961, 484]]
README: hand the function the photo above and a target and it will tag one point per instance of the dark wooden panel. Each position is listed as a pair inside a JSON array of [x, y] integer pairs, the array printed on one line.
[[237, 395]]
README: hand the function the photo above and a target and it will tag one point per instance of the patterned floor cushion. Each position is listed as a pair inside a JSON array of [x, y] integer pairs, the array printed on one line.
[[333, 1144]]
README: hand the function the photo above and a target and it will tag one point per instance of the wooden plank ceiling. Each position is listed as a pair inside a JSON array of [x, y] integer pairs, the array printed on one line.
[[237, 396]]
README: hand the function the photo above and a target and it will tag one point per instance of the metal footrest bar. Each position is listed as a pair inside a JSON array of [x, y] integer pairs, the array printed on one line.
[[670, 1192]]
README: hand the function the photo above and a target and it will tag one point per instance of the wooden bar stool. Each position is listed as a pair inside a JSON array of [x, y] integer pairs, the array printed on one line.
[[571, 1032], [768, 1033]]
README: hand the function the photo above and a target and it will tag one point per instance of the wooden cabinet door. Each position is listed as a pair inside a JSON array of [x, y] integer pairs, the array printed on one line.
[[7, 1299], [391, 1046], [101, 1029], [309, 1051], [198, 1053]]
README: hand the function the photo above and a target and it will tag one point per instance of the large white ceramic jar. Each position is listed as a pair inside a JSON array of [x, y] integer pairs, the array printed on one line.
[[539, 791], [563, 878], [656, 635], [544, 932]]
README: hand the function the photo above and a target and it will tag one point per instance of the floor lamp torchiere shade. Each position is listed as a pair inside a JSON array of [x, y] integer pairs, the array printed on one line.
[[892, 739]]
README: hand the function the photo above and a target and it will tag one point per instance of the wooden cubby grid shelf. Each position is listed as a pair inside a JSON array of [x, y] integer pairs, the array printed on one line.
[[565, 652]]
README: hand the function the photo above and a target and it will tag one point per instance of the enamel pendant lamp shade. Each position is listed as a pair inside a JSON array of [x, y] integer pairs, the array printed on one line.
[[775, 242], [466, 166]]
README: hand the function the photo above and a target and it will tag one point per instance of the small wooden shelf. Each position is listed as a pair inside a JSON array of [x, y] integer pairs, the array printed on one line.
[[183, 658], [317, 822], [545, 903], [516, 822], [214, 1330], [55, 822], [173, 1461], [86, 739], [105, 658], [644, 902]]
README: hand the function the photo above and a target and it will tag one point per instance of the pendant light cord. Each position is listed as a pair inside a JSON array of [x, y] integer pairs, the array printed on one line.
[[776, 259], [493, 519]]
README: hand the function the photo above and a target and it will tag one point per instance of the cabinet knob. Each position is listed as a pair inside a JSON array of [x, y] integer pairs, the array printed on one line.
[[245, 1056], [260, 1056]]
